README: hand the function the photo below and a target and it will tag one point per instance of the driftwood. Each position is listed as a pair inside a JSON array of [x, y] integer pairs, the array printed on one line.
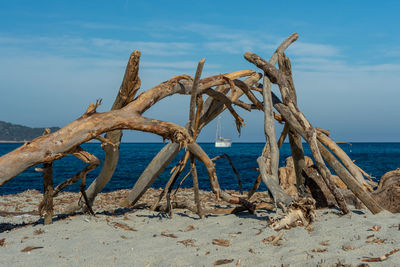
[[129, 87], [294, 138], [223, 92], [46, 209], [46, 206], [268, 162], [388, 191]]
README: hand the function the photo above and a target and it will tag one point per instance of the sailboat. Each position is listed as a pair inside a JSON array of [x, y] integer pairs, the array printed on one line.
[[219, 140]]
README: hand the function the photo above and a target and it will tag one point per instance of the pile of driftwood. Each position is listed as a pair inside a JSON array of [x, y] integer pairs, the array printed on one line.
[[296, 190]]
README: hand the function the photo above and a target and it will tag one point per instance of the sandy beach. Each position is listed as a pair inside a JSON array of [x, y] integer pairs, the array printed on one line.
[[139, 237]]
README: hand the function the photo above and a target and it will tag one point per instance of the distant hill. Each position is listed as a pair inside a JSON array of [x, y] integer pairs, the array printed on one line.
[[14, 132]]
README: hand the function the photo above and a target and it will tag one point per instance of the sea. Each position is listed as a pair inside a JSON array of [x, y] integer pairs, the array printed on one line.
[[374, 158]]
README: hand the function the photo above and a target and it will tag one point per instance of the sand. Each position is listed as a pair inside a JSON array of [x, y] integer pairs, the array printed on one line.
[[131, 237]]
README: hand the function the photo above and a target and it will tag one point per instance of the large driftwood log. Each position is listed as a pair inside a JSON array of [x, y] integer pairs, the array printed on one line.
[[92, 124], [128, 89]]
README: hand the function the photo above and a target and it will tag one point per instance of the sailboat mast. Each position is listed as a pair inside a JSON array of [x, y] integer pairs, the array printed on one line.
[[218, 133]]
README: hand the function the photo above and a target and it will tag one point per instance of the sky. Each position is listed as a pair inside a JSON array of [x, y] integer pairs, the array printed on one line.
[[57, 57]]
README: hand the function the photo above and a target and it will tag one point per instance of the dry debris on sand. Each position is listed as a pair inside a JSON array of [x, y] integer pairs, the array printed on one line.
[[110, 237]]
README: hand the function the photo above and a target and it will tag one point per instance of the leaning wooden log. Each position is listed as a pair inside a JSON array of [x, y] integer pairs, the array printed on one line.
[[349, 180], [296, 145], [344, 158], [128, 89]]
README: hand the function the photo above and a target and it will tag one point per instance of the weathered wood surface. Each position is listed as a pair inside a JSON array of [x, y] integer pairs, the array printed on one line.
[[296, 145]]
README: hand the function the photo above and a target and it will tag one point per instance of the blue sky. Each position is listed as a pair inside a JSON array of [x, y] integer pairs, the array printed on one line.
[[56, 57]]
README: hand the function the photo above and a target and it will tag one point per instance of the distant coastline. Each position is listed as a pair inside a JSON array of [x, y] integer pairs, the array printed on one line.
[[15, 133]]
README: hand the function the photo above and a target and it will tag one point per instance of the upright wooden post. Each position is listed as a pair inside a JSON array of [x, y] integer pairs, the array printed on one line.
[[47, 209]]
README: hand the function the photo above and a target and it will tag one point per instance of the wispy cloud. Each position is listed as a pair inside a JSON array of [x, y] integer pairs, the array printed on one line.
[[190, 65], [69, 44], [150, 48], [321, 64], [314, 49]]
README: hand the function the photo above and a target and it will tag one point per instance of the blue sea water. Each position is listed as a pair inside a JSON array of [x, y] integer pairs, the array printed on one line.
[[375, 158]]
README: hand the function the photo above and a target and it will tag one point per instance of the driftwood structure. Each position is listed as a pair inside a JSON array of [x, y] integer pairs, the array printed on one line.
[[223, 92]]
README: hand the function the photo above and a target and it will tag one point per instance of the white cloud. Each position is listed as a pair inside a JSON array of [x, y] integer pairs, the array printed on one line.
[[150, 48], [321, 64], [190, 65], [313, 49], [68, 44]]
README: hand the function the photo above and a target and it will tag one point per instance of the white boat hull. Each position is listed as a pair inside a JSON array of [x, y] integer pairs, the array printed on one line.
[[223, 144]]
